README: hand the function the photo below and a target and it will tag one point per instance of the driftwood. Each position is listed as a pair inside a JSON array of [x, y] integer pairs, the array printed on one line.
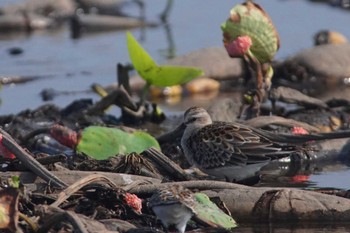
[[80, 223], [290, 95], [33, 182], [263, 121], [248, 204], [268, 205]]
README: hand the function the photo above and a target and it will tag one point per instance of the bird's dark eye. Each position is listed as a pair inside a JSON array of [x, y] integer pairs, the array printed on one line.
[[192, 119]]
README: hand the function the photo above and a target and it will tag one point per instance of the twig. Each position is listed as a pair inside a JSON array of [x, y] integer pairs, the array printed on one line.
[[119, 97], [167, 164], [193, 184], [44, 161], [123, 77], [29, 162], [33, 225], [52, 159], [61, 216], [65, 194]]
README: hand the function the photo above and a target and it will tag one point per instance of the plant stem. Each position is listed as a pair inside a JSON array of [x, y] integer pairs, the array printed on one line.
[[145, 90], [29, 162], [33, 225], [165, 14]]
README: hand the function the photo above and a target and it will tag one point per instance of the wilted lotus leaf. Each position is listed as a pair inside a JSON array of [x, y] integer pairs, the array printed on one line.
[[9, 208], [104, 142], [249, 20], [208, 212]]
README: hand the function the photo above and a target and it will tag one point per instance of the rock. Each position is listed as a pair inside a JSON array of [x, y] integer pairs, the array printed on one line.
[[202, 85], [106, 7], [35, 14], [159, 92], [329, 37], [20, 22], [93, 22], [226, 109], [214, 61], [330, 60], [315, 70], [47, 8]]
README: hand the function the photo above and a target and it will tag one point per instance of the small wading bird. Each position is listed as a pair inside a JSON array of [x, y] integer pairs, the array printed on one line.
[[233, 151], [173, 205]]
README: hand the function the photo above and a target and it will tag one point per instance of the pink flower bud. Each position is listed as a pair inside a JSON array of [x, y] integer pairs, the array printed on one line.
[[239, 46]]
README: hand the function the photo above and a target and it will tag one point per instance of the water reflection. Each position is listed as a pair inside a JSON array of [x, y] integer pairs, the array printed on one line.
[[294, 227], [306, 175]]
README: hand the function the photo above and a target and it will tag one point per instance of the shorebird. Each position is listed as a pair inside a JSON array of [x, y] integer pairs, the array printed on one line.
[[173, 205], [233, 151]]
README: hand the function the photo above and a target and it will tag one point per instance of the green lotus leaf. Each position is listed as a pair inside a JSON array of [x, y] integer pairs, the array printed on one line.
[[142, 61], [208, 212], [162, 76], [103, 142]]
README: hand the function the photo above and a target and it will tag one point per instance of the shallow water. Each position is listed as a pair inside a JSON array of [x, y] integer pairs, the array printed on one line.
[[73, 65]]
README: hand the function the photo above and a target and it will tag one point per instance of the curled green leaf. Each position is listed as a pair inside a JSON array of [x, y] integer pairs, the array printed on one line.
[[208, 212], [153, 74]]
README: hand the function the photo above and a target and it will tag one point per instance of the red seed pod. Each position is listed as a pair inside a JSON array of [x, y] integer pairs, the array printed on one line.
[[133, 201], [4, 151], [64, 135], [299, 130]]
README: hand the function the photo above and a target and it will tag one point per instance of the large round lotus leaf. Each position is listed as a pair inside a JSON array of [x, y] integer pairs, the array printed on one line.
[[103, 142], [249, 19], [208, 212]]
